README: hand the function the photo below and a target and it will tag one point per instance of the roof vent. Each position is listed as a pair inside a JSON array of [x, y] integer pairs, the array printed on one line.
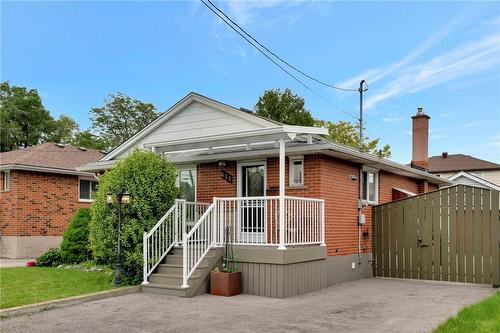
[[60, 145], [444, 154], [82, 148], [246, 110]]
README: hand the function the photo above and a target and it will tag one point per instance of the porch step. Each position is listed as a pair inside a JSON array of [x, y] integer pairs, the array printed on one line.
[[176, 268], [167, 279]]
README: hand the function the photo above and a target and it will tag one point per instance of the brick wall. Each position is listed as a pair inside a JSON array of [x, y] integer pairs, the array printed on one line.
[[324, 177], [38, 204]]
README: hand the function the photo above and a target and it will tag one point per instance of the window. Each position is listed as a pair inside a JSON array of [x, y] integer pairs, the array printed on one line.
[[369, 186], [86, 189], [296, 171], [186, 180], [6, 181]]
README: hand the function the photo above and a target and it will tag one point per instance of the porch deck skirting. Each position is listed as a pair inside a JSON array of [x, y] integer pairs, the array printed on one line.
[[267, 271]]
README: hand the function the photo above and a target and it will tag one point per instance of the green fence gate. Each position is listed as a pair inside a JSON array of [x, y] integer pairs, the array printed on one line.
[[452, 234]]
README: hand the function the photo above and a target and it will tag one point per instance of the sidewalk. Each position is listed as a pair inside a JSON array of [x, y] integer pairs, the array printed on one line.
[[7, 262]]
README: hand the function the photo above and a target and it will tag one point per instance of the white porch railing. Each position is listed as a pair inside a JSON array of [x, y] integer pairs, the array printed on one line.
[[168, 232], [253, 221]]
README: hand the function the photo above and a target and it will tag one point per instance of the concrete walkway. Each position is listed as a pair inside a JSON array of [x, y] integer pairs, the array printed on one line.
[[7, 262], [369, 305]]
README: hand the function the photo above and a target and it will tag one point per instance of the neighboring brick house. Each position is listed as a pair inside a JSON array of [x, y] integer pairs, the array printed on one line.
[[232, 159], [40, 192]]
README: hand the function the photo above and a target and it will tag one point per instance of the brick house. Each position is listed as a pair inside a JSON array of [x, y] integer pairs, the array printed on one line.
[[40, 192], [296, 206]]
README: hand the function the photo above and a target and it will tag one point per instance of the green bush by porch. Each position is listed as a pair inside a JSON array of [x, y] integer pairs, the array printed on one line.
[[151, 182], [28, 285], [75, 243]]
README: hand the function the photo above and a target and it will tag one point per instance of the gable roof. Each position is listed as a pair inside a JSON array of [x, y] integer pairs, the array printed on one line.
[[475, 179], [178, 107], [459, 162], [63, 158]]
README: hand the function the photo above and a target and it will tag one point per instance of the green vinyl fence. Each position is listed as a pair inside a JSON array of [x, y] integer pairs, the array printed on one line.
[[452, 234]]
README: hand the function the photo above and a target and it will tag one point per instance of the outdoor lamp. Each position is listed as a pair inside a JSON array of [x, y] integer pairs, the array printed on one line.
[[109, 198], [123, 197]]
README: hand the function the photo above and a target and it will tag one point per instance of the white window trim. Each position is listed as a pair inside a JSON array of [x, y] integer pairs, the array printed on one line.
[[291, 159], [6, 181], [86, 178], [376, 173], [188, 167]]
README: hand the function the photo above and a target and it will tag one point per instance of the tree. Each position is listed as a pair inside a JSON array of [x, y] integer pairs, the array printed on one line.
[[345, 133], [151, 182], [88, 140], [120, 118], [24, 121], [75, 243], [62, 130], [284, 107]]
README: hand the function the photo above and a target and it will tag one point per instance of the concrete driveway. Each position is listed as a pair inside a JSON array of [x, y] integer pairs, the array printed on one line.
[[369, 305]]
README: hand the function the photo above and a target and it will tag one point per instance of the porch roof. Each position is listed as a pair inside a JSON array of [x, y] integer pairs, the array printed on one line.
[[262, 144]]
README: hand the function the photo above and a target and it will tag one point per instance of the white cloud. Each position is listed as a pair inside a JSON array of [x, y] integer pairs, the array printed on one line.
[[244, 12], [471, 124], [465, 59], [374, 75], [392, 119]]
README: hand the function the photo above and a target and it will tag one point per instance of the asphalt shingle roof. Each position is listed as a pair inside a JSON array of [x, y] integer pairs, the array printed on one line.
[[459, 162], [51, 155]]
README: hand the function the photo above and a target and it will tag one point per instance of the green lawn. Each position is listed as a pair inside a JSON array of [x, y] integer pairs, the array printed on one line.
[[481, 317], [27, 285]]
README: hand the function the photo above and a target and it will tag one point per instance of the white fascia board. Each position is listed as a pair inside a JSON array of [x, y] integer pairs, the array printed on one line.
[[374, 160], [305, 130], [34, 168], [97, 166], [475, 178]]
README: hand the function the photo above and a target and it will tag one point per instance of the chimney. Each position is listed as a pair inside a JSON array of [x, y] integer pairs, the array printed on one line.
[[420, 140]]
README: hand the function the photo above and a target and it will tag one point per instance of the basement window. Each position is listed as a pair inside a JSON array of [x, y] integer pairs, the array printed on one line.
[[296, 171], [6, 181], [86, 189], [369, 186]]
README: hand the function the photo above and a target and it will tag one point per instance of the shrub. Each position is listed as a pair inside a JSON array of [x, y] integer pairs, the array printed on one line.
[[75, 244], [51, 258], [150, 180]]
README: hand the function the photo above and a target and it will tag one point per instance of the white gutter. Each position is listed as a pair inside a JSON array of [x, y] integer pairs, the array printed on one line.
[[23, 167]]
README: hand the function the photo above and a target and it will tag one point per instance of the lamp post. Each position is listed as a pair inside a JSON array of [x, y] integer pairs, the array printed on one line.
[[122, 197]]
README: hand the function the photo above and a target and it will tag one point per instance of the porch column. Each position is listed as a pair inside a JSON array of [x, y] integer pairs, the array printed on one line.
[[282, 195]]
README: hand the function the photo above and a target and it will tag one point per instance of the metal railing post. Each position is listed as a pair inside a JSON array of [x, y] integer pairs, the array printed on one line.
[[145, 256], [323, 223], [214, 222], [184, 248], [176, 224]]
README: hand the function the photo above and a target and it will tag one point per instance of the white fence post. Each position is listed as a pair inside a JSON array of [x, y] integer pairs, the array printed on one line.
[[214, 222], [145, 256]]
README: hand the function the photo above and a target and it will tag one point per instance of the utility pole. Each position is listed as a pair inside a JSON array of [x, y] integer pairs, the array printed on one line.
[[361, 91]]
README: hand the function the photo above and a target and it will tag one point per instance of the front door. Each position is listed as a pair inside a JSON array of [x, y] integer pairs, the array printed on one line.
[[252, 210]]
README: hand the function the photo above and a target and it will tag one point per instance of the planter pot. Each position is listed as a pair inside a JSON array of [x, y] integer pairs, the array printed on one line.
[[225, 284]]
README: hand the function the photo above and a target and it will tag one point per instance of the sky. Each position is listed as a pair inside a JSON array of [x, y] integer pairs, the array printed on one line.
[[442, 56]]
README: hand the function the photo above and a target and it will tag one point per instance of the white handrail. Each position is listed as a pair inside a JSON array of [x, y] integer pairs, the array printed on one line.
[[166, 233], [196, 244]]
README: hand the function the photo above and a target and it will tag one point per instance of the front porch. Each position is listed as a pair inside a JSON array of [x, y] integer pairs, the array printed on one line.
[[258, 217]]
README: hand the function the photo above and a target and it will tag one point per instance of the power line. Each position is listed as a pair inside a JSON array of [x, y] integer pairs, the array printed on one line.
[[277, 56], [274, 61]]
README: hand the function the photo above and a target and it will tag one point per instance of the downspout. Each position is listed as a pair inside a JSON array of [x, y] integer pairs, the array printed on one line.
[[360, 211]]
